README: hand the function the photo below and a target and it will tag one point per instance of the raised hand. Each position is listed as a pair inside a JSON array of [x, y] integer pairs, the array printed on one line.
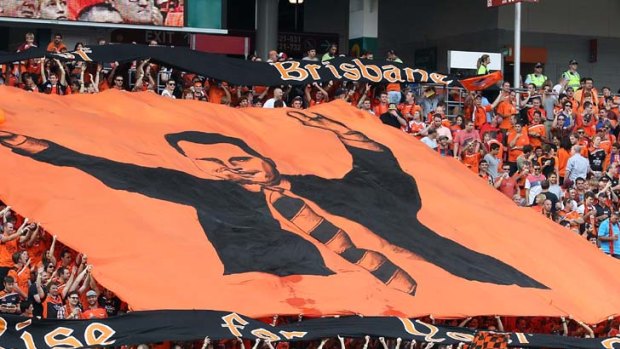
[[319, 121], [31, 145]]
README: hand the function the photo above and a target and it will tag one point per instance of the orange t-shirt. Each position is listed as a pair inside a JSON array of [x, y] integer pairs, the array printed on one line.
[[472, 161], [97, 313], [589, 128], [538, 130], [6, 253], [506, 110], [563, 157], [21, 279], [51, 47], [480, 115], [513, 154], [393, 87], [215, 94], [381, 109], [410, 109]]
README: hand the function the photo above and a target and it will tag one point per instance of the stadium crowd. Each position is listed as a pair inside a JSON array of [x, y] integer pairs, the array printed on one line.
[[549, 146]]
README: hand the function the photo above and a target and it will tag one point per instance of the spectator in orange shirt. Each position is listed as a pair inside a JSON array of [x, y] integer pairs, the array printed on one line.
[[470, 157], [536, 106], [383, 105], [479, 112], [517, 139], [119, 83], [587, 90], [416, 126], [537, 131], [320, 95], [587, 120], [56, 45], [408, 107], [21, 272], [483, 172], [93, 309]]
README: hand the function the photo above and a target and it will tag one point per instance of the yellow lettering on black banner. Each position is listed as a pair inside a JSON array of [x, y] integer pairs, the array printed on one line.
[[28, 340], [265, 334], [291, 71], [369, 72], [521, 338], [21, 325], [229, 322], [409, 74], [351, 72], [105, 333], [440, 79], [334, 71], [313, 70], [68, 342], [610, 342], [461, 337], [392, 73], [293, 334], [428, 337]]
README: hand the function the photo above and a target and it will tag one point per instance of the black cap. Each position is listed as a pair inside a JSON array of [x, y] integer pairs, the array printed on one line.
[[538, 65], [573, 61]]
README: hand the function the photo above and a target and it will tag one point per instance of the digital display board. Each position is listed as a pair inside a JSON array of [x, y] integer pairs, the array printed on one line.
[[169, 13]]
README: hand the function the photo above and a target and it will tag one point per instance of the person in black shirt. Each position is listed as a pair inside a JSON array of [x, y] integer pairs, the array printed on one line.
[[37, 293], [597, 155], [393, 117], [110, 302], [544, 185], [9, 299], [603, 211]]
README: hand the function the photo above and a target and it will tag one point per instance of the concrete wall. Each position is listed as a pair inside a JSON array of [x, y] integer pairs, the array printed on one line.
[[328, 16], [563, 48], [563, 27], [599, 18], [407, 25]]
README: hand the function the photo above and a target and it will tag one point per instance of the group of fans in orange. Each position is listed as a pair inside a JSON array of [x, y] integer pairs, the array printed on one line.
[[42, 278], [550, 147]]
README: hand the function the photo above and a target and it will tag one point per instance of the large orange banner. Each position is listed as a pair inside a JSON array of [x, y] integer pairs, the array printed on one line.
[[189, 205]]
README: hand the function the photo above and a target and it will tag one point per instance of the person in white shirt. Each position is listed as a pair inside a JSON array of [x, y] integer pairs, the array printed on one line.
[[431, 139], [167, 92], [577, 166], [277, 96], [437, 126]]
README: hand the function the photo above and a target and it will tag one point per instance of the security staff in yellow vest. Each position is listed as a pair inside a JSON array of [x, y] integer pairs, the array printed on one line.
[[537, 78], [482, 65], [572, 76]]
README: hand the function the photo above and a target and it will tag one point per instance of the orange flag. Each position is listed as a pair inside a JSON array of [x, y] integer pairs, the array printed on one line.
[[481, 82], [188, 205]]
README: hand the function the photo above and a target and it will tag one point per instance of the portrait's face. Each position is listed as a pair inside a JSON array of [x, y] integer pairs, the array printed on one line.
[[225, 161], [135, 11], [18, 8], [54, 9]]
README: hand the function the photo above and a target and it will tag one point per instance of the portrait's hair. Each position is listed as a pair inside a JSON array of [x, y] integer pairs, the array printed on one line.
[[210, 138]]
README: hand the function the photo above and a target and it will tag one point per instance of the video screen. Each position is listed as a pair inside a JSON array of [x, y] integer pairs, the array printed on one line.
[[139, 12]]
